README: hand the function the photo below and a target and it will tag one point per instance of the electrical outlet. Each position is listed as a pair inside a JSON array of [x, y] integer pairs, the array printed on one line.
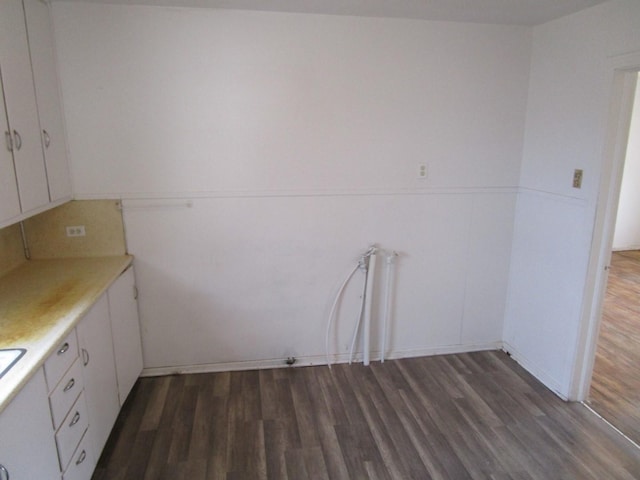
[[577, 178], [422, 171], [76, 231]]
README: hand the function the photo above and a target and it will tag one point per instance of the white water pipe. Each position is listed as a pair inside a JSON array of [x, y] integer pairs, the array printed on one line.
[[387, 302], [357, 327], [368, 298]]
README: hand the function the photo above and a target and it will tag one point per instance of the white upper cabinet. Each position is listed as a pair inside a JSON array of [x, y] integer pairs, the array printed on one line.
[[45, 74], [34, 144], [21, 109], [9, 204]]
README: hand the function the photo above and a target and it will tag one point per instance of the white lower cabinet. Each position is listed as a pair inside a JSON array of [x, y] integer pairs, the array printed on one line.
[[68, 409], [100, 382], [125, 327], [27, 445], [82, 463], [58, 424], [71, 432]]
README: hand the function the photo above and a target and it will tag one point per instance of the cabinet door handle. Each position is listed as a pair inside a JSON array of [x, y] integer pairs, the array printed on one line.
[[46, 138], [82, 457], [9, 141], [69, 385], [85, 357], [75, 419], [18, 139], [4, 472], [63, 349]]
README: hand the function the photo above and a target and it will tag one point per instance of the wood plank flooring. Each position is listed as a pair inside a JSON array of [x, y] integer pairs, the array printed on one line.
[[467, 416], [615, 387]]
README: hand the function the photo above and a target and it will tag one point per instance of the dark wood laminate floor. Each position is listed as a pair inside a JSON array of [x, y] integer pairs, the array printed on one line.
[[467, 416], [615, 387]]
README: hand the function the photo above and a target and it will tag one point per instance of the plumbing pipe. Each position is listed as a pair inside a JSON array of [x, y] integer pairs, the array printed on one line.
[[368, 298], [387, 301], [364, 263], [333, 309], [357, 327]]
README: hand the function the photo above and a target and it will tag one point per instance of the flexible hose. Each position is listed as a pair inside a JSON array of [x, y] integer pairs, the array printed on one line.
[[333, 309], [362, 265]]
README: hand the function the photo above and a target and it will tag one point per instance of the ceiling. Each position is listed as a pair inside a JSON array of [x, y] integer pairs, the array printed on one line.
[[509, 12]]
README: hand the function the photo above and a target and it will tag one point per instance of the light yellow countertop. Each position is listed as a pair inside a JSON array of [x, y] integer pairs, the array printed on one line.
[[41, 301]]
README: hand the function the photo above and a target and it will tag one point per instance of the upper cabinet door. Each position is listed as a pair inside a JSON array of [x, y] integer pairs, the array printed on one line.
[[45, 74], [9, 204], [22, 111]]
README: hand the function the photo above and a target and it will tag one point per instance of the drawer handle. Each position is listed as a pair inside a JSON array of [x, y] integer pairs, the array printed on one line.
[[75, 419], [47, 138], [69, 385], [85, 357], [4, 472], [63, 349], [81, 458], [18, 140]]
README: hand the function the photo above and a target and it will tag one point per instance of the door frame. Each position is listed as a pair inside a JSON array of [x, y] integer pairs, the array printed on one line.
[[624, 70]]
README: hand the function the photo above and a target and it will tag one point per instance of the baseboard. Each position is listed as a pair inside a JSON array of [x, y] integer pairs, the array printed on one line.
[[531, 367], [315, 360], [626, 249]]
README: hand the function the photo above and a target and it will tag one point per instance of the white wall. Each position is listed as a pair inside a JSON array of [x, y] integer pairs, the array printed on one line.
[[297, 138], [627, 231], [570, 87]]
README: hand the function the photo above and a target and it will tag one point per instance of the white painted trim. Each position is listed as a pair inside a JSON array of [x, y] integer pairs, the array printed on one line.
[[314, 360], [540, 373], [624, 70], [140, 196], [626, 248], [557, 197]]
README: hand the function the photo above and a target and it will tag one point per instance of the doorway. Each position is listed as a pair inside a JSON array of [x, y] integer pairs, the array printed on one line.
[[615, 384]]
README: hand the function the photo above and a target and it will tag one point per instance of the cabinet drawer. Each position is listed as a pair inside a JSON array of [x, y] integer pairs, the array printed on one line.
[[66, 393], [60, 360], [71, 431], [82, 462]]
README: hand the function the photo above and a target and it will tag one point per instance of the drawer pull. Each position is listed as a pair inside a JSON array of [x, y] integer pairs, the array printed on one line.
[[47, 138], [69, 385], [18, 140], [75, 419], [81, 458], [85, 357], [4, 472], [63, 349]]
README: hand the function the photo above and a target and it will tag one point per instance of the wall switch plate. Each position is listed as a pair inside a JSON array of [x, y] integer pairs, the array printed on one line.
[[422, 171], [76, 231], [577, 178]]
